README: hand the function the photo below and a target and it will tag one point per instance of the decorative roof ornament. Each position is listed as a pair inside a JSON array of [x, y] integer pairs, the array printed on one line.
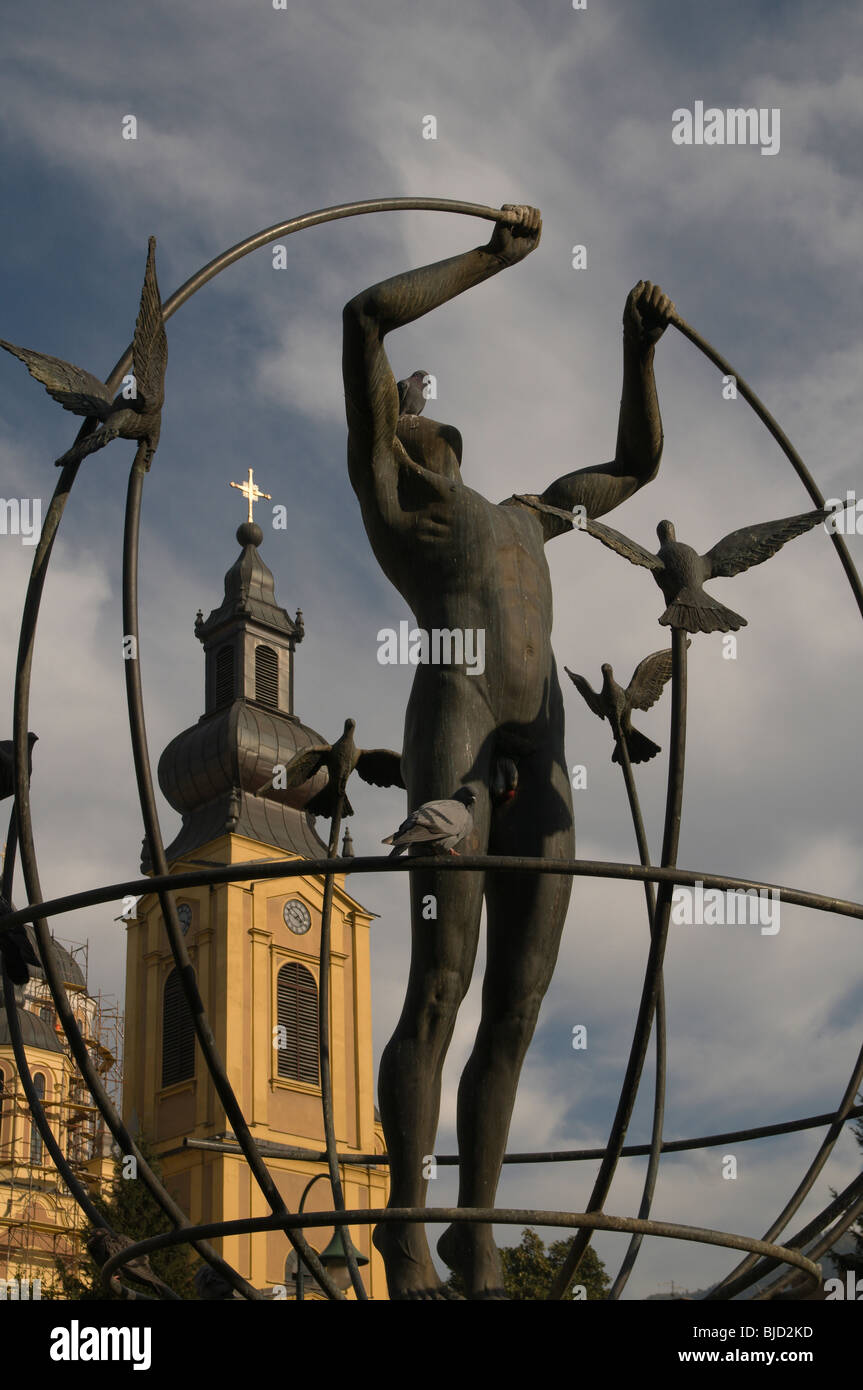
[[251, 492]]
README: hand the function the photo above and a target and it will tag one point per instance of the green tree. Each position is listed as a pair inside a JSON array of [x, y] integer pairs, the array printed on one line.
[[528, 1269], [131, 1211]]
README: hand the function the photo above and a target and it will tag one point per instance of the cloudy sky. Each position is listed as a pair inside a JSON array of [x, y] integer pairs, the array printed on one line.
[[247, 115]]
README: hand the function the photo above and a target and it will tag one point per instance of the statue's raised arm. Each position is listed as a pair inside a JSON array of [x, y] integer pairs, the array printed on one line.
[[371, 396], [639, 435]]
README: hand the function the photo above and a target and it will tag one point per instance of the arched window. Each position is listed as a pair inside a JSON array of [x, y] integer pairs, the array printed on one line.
[[35, 1136], [297, 1002], [224, 676], [178, 1034], [267, 677]]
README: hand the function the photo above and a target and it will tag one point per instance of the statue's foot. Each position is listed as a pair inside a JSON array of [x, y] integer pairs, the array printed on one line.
[[471, 1252], [410, 1272]]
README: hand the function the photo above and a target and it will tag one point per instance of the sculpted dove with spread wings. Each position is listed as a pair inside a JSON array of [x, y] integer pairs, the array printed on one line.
[[614, 703], [136, 413], [680, 571]]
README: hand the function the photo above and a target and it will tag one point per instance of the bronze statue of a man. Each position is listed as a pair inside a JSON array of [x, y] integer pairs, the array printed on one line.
[[462, 562]]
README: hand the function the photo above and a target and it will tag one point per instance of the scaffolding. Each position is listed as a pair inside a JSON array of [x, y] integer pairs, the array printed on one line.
[[40, 1222]]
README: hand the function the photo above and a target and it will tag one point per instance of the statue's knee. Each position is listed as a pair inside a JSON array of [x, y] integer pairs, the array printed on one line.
[[513, 1029], [443, 994]]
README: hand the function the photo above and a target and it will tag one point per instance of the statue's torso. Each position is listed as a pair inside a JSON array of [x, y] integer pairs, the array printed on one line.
[[461, 561]]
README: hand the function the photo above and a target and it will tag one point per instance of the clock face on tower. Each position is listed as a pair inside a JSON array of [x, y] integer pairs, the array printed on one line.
[[297, 916]]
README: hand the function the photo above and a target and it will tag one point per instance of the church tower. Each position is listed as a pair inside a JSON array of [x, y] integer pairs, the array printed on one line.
[[255, 947]]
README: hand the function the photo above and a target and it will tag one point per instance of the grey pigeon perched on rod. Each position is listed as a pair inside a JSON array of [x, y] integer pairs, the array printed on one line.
[[437, 825], [680, 571], [137, 416], [612, 701], [7, 779], [411, 393], [380, 767]]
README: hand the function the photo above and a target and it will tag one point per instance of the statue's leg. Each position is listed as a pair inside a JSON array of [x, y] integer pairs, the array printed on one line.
[[526, 913], [445, 914]]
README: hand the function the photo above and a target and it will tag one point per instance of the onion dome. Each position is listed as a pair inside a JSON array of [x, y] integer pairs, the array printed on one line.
[[222, 775]]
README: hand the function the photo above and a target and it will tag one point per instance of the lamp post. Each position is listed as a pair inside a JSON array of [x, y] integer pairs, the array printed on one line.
[[333, 1258]]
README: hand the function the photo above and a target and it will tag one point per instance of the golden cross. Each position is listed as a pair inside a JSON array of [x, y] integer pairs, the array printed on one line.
[[252, 493]]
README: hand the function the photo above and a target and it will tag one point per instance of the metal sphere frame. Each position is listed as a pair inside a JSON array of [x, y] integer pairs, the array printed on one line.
[[761, 1256]]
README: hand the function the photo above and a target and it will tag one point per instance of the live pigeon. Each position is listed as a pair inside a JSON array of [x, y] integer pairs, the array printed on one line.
[[612, 701], [437, 825], [137, 417], [680, 571], [7, 767], [411, 394], [103, 1244], [380, 767]]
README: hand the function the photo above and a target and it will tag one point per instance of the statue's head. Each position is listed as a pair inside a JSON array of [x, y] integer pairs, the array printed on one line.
[[434, 446], [665, 531]]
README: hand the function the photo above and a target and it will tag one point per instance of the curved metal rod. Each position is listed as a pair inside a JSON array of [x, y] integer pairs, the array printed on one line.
[[324, 1050], [502, 1216], [705, 1141], [653, 969], [300, 1278], [254, 869], [67, 477], [185, 970], [661, 1035], [743, 1275], [781, 439], [847, 1205], [299, 224], [736, 1277], [37, 1110], [78, 1047], [29, 866], [23, 673]]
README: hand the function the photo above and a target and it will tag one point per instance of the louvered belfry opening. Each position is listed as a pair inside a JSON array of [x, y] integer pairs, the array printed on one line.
[[178, 1034], [266, 677], [224, 676], [297, 1003]]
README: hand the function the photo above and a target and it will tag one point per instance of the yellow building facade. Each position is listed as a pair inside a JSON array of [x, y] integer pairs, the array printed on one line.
[[255, 949], [40, 1221]]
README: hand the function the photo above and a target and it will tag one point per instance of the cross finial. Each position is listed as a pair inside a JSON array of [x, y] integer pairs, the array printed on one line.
[[252, 493]]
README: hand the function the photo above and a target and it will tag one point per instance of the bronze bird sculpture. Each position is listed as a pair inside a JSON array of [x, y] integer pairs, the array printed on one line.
[[378, 766], [615, 704], [7, 780], [17, 946], [680, 571], [135, 413]]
